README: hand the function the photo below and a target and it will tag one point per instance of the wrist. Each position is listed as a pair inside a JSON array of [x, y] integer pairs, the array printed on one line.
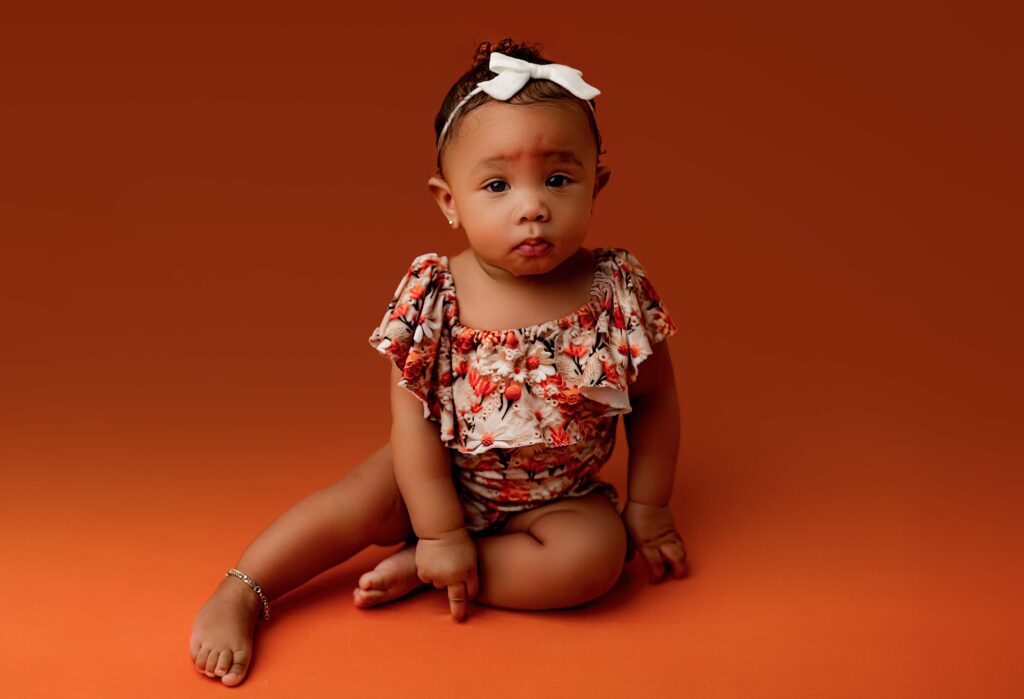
[[448, 535]]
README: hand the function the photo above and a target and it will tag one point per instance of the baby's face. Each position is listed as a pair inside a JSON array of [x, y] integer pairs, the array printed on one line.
[[523, 172]]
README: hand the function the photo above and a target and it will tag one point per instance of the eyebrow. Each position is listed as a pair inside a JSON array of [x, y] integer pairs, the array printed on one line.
[[562, 156]]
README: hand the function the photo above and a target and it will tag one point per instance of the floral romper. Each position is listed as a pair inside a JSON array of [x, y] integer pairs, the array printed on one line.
[[530, 413]]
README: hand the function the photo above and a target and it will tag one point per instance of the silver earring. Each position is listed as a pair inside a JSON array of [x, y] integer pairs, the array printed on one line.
[[450, 222]]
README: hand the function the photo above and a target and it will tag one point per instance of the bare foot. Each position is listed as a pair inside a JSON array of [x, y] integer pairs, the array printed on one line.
[[393, 577], [221, 643]]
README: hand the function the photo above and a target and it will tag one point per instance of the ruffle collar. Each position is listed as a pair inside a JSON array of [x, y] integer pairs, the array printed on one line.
[[590, 309], [518, 387]]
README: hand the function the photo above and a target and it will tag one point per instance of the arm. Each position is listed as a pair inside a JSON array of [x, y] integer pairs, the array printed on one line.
[[652, 431], [445, 554], [422, 466]]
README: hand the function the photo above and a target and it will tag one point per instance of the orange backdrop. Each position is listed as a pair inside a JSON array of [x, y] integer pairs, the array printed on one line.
[[203, 214]]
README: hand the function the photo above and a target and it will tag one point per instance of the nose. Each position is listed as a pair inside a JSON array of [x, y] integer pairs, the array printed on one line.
[[533, 207]]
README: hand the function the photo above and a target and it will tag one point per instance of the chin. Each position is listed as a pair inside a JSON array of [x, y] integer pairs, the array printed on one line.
[[540, 265]]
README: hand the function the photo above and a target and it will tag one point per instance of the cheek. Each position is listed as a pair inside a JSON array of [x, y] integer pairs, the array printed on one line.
[[580, 209]]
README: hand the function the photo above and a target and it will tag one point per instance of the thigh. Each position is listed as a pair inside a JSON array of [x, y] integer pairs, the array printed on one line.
[[587, 529], [373, 484], [562, 554]]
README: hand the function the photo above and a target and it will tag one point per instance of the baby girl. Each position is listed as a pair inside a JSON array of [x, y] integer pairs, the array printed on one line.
[[511, 362]]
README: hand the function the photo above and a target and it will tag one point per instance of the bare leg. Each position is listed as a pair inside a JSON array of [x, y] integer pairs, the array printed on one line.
[[557, 555], [322, 530]]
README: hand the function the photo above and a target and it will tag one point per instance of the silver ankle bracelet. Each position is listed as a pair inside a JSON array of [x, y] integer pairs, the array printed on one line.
[[255, 588]]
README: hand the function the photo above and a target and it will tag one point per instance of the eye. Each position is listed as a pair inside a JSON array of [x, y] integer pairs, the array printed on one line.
[[496, 186], [558, 180]]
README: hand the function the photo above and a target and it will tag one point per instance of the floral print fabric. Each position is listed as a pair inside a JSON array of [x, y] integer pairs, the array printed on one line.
[[529, 413]]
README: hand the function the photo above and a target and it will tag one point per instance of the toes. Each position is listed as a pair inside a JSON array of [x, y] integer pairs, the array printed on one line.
[[211, 662], [366, 598], [223, 663], [371, 581], [239, 666], [201, 657]]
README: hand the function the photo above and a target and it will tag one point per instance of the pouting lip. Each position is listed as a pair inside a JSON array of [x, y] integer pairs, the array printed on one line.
[[532, 241]]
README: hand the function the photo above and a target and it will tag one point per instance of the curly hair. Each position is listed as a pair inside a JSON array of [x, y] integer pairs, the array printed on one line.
[[533, 91]]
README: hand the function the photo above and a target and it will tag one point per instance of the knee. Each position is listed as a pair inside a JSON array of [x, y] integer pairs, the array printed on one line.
[[593, 563]]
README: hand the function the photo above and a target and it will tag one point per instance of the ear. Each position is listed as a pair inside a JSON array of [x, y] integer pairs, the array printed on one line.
[[442, 193], [603, 174]]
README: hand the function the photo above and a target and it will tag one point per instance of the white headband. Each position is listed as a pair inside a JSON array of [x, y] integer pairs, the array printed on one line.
[[514, 73]]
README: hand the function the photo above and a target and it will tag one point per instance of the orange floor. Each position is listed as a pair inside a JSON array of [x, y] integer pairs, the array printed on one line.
[[202, 220]]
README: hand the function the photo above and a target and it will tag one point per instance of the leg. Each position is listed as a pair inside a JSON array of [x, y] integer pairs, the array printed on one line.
[[557, 555], [324, 529]]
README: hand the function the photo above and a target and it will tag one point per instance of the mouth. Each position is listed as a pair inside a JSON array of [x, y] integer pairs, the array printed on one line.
[[533, 247]]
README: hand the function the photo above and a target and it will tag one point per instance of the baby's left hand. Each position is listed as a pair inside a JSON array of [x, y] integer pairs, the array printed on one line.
[[652, 531]]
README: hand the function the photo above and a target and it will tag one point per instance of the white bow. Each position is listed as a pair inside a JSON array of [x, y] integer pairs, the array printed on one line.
[[513, 73]]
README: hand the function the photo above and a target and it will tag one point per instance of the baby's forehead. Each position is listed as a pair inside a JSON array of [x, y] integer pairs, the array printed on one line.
[[499, 133], [538, 153]]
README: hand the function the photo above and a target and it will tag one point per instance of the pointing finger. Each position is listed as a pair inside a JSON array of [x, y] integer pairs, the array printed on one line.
[[457, 600]]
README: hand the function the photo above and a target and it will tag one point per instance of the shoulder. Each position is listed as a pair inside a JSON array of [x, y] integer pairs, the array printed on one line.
[[622, 259], [427, 272], [413, 334], [430, 260], [644, 309], [637, 304], [427, 265], [631, 276], [421, 303]]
